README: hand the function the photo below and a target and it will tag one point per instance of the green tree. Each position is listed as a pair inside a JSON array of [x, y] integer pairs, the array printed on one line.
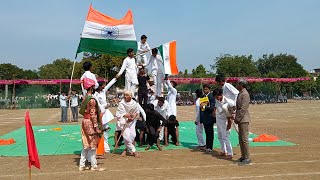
[[9, 71], [185, 74], [235, 66], [281, 65], [200, 72], [30, 74], [59, 69]]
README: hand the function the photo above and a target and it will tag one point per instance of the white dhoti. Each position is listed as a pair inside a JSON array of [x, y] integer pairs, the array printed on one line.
[[129, 135], [199, 133], [223, 135]]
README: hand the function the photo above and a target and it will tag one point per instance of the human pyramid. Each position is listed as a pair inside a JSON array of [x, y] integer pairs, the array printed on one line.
[[158, 117]]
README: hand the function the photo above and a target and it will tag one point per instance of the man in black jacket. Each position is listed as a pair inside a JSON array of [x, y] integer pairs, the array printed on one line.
[[207, 118]]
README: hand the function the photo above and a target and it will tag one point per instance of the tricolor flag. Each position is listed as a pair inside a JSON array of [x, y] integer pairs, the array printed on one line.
[[168, 53], [106, 35]]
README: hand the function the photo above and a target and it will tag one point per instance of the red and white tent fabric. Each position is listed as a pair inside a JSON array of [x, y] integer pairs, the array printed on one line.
[[235, 79], [43, 81], [178, 80]]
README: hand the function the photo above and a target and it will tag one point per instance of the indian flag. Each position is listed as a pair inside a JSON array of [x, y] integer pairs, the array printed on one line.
[[168, 53], [106, 35]]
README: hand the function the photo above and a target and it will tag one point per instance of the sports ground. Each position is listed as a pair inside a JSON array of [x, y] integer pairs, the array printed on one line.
[[296, 156]]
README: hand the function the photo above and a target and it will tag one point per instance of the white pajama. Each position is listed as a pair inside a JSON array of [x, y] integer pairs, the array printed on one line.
[[199, 126], [142, 59], [129, 135], [223, 136], [130, 86], [199, 132], [90, 155], [106, 136], [222, 121]]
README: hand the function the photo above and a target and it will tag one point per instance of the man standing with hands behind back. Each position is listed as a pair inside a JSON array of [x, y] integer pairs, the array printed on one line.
[[243, 119]]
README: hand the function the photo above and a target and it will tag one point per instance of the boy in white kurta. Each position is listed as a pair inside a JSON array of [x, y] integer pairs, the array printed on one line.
[[172, 96], [156, 62], [143, 49], [223, 124], [127, 114], [100, 95], [131, 76]]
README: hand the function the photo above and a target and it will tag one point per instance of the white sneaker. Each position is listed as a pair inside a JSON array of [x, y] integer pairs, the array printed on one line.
[[209, 150], [97, 169], [82, 168]]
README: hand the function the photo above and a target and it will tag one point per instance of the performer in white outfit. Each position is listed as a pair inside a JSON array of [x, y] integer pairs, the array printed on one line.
[[230, 92], [127, 114], [156, 63], [87, 66], [131, 76], [223, 124], [172, 96], [107, 116], [162, 106], [199, 125], [143, 49]]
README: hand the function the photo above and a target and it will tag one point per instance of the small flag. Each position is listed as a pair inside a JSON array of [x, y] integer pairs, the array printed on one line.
[[31, 143], [105, 35], [169, 56]]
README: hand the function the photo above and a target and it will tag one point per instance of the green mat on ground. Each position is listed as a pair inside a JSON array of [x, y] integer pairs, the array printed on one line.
[[68, 140]]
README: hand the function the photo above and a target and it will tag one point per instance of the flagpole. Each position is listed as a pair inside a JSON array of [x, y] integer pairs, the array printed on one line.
[[29, 173], [74, 63]]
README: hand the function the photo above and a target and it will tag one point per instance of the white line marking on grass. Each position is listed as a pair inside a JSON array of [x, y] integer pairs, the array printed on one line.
[[182, 167], [272, 175], [5, 114]]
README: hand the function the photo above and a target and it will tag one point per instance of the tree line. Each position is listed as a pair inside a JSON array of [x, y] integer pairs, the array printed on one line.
[[106, 66]]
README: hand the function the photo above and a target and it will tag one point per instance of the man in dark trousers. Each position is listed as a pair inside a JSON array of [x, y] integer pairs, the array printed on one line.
[[207, 118], [143, 89], [154, 122], [243, 120]]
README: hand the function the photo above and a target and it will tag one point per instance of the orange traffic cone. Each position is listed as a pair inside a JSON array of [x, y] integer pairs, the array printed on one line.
[[100, 150]]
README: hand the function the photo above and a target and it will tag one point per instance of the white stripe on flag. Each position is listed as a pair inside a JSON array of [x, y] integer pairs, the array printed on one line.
[[95, 31], [166, 58]]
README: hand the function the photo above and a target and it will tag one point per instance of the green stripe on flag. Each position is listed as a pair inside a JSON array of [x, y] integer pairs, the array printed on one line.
[[106, 46], [161, 51]]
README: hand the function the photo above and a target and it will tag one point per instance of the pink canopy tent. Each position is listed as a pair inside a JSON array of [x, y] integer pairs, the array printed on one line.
[[235, 79], [43, 81], [178, 80]]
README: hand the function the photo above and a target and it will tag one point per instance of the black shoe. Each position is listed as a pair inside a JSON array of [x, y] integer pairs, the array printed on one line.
[[239, 160], [245, 162]]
